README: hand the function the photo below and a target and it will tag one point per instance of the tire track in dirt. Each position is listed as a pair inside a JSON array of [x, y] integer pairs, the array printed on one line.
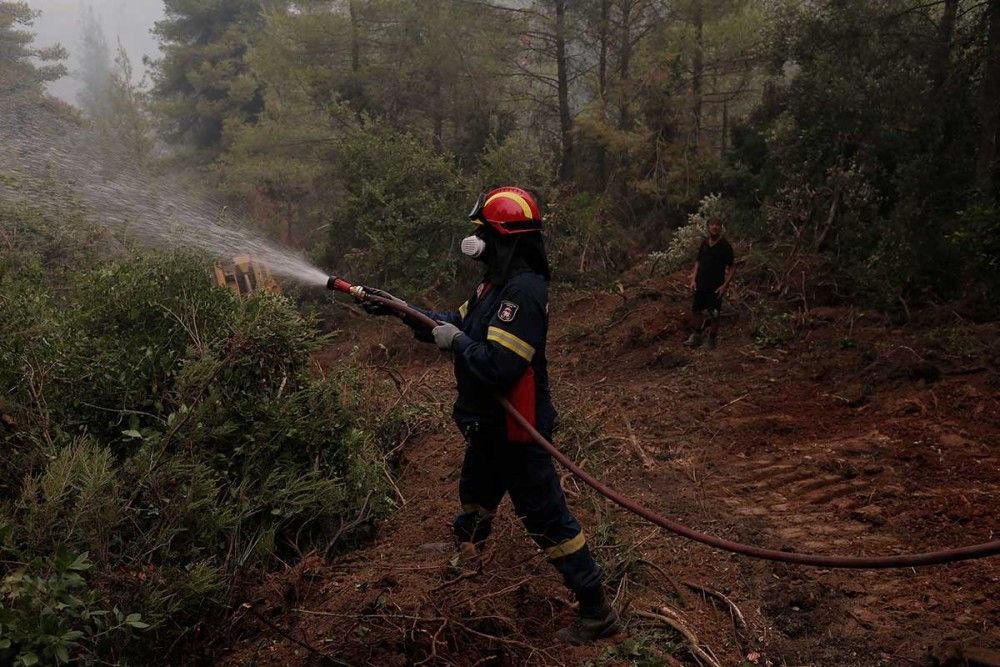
[[782, 460]]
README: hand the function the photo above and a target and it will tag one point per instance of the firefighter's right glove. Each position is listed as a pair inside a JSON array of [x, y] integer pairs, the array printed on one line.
[[374, 307], [445, 335]]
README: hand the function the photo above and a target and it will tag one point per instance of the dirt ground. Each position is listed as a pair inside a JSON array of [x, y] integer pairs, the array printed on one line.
[[858, 437]]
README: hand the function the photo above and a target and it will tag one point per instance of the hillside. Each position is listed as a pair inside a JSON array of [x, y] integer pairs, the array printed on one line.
[[855, 437]]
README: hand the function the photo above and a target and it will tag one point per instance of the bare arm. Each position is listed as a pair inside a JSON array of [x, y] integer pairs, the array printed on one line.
[[730, 272], [694, 274]]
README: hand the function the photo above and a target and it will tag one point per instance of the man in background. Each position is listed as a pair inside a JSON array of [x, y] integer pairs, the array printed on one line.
[[710, 278]]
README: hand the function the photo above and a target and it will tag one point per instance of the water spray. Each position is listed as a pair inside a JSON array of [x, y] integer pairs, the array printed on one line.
[[47, 158]]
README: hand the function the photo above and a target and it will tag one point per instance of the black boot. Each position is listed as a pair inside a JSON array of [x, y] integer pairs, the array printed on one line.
[[596, 619]]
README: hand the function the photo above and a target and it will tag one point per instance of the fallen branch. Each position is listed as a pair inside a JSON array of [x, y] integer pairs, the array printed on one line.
[[732, 402], [734, 611], [647, 462], [672, 619], [682, 595], [507, 589]]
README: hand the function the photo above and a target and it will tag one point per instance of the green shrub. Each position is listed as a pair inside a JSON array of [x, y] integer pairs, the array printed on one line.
[[585, 245], [772, 326], [683, 248], [518, 161], [403, 211], [976, 240], [76, 500], [50, 616], [179, 434]]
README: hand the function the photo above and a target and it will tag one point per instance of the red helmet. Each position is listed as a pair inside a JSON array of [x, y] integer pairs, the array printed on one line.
[[508, 211]]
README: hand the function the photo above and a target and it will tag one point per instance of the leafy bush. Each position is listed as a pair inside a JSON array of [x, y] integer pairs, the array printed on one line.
[[837, 154], [977, 240], [772, 327], [402, 214], [517, 160], [177, 432], [683, 247], [50, 616], [585, 246]]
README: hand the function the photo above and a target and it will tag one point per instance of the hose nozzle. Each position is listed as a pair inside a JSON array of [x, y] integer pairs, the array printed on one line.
[[335, 284]]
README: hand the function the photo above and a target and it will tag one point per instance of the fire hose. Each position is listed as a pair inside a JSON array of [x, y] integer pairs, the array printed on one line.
[[974, 551]]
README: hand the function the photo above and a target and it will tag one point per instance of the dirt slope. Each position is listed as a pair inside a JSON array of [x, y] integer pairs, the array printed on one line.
[[858, 438]]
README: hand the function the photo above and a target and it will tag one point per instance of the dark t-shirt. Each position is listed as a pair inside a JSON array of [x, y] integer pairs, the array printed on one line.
[[713, 260]]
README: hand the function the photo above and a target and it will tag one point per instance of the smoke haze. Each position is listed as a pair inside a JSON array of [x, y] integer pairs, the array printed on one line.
[[129, 20]]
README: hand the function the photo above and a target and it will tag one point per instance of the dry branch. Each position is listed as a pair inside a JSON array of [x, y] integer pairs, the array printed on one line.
[[733, 609], [673, 619]]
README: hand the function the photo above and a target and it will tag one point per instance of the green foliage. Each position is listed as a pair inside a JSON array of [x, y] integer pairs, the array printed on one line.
[[516, 159], [643, 649], [373, 121], [203, 82], [400, 218], [683, 248], [977, 240], [175, 431], [772, 326], [49, 615], [76, 499], [24, 70], [862, 149], [584, 245]]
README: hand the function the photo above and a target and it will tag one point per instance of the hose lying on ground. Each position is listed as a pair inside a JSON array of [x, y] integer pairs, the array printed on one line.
[[855, 562]]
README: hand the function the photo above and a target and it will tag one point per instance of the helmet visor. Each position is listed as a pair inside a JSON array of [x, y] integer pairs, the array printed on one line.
[[476, 213]]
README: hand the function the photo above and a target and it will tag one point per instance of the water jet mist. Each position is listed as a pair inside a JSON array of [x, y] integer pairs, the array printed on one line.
[[39, 149]]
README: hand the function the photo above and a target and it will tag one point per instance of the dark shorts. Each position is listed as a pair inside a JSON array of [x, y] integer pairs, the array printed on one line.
[[707, 300]]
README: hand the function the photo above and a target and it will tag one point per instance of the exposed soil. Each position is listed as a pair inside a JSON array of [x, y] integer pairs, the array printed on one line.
[[857, 438]]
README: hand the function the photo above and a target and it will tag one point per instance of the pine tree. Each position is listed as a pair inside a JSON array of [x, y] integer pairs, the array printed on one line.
[[20, 71], [94, 62], [202, 82]]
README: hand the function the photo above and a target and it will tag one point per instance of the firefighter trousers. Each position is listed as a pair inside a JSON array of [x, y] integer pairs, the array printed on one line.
[[493, 466]]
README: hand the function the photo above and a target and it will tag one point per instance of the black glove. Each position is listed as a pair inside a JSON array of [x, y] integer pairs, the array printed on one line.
[[374, 307]]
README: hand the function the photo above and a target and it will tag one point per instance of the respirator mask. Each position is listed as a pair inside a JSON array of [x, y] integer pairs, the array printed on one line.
[[473, 246]]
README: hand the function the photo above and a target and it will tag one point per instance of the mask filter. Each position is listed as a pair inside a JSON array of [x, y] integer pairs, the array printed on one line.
[[473, 246]]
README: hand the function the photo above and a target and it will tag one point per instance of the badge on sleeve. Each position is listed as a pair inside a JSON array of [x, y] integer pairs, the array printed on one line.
[[507, 312]]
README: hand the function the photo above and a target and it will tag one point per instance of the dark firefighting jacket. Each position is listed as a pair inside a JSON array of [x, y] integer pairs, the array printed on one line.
[[502, 353]]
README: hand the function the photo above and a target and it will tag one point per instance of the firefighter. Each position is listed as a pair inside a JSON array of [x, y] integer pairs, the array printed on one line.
[[498, 339]]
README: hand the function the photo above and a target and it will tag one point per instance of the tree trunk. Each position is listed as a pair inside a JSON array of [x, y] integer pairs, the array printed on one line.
[[986, 162], [355, 92], [437, 106], [562, 75], [625, 120], [602, 86], [352, 8], [602, 57], [624, 65], [724, 138], [697, 70], [941, 65]]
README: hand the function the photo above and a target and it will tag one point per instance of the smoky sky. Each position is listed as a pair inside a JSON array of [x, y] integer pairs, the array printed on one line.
[[127, 20]]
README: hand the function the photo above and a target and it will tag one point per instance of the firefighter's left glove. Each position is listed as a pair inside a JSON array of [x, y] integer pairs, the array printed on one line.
[[445, 335], [374, 307]]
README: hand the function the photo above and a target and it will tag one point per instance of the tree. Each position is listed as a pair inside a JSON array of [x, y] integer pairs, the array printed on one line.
[[989, 107], [20, 71], [94, 63], [127, 123], [202, 82]]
